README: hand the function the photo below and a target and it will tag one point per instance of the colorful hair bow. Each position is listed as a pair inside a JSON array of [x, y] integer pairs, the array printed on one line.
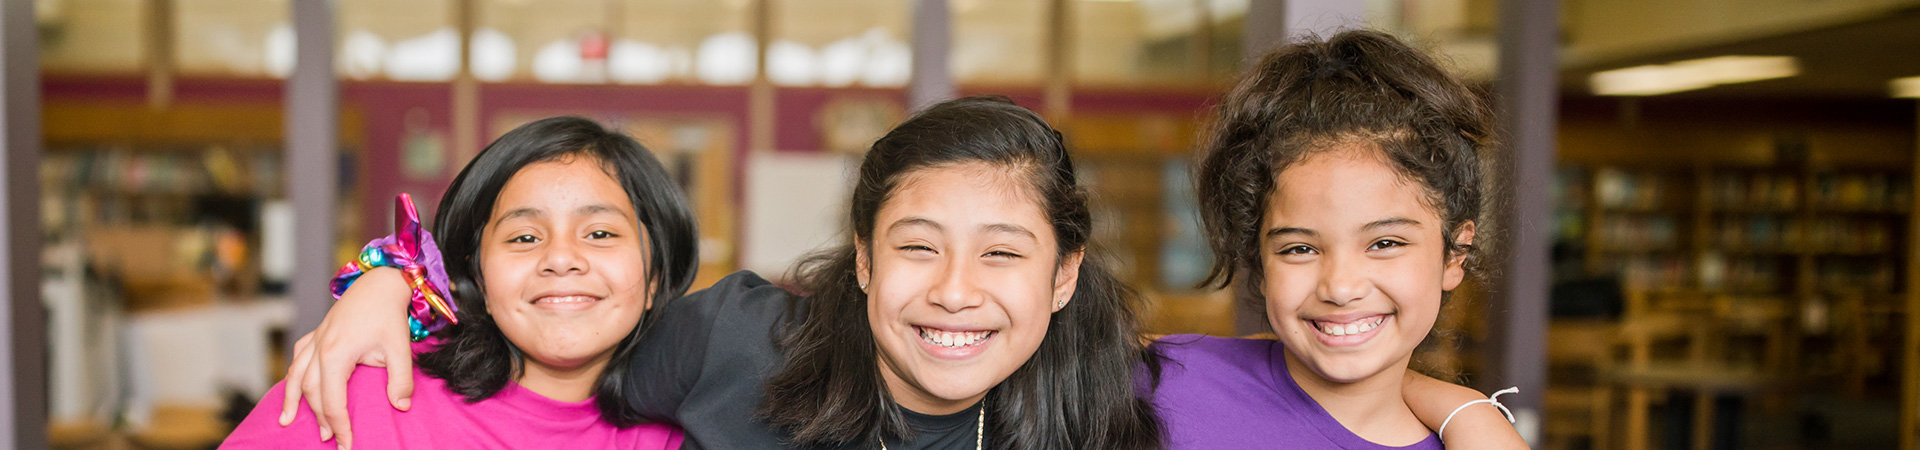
[[412, 250]]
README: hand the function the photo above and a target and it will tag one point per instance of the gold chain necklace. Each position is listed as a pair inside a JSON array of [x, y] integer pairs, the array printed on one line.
[[979, 431]]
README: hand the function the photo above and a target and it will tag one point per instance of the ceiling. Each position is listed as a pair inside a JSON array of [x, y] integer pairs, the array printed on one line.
[[1849, 60]]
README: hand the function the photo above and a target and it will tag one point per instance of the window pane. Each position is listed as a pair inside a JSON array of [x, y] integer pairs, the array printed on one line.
[[658, 41], [225, 37], [1136, 42], [841, 43], [408, 40], [556, 41], [999, 41], [91, 35]]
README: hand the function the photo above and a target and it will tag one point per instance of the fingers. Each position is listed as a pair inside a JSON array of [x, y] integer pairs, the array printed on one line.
[[333, 396], [302, 358], [312, 387], [400, 376]]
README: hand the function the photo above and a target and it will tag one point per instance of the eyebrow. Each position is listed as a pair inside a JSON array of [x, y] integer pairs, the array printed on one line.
[[1006, 228], [1292, 230], [914, 221], [535, 213], [1370, 226], [1390, 222]]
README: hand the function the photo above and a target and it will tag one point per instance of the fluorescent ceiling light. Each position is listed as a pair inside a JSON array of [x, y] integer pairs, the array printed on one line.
[[1692, 74], [1908, 87]]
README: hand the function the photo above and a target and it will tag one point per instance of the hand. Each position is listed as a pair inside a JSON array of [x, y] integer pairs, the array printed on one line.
[[367, 326]]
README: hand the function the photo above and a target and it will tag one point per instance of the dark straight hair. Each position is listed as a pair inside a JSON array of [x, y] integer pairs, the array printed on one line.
[[1078, 391], [474, 358]]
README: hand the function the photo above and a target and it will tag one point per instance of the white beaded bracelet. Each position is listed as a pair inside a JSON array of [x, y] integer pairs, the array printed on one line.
[[1494, 400]]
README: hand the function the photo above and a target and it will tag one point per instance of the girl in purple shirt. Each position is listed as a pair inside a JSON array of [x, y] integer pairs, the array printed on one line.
[[1342, 184]]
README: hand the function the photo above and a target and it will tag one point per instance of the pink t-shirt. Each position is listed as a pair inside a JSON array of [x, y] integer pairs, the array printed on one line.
[[439, 419]]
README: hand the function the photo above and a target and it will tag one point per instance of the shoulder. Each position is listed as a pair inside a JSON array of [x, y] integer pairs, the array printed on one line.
[[741, 293], [366, 402], [1198, 362], [658, 436], [261, 428], [1201, 348]]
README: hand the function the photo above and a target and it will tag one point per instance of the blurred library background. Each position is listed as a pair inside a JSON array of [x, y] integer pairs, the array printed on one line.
[[1709, 241]]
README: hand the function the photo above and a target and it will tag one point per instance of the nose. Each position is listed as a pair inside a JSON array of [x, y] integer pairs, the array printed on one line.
[[1343, 280], [955, 289], [561, 256]]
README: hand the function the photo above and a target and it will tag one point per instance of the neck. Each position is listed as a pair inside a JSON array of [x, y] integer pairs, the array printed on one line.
[[567, 383], [915, 399], [1373, 408]]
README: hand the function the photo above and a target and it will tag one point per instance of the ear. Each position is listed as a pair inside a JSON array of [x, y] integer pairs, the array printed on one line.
[[862, 266], [1456, 270], [1065, 278]]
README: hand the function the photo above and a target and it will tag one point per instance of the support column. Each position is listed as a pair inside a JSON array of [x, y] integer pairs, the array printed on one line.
[[23, 420], [1058, 91], [1910, 357], [1527, 102], [931, 81], [760, 104], [466, 89], [312, 161]]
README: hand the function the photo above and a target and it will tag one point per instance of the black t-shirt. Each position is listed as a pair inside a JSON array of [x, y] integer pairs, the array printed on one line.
[[706, 363]]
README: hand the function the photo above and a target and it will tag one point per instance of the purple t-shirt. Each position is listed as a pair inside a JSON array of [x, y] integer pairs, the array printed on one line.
[[1235, 393]]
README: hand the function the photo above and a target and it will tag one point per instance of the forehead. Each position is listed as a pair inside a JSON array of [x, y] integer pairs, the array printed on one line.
[[1345, 186], [966, 196], [562, 182]]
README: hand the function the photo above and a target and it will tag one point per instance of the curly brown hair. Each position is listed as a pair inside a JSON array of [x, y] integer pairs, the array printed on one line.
[[1357, 87]]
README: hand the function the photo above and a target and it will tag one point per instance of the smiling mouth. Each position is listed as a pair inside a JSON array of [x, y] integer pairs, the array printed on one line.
[[953, 339], [565, 300], [1362, 325]]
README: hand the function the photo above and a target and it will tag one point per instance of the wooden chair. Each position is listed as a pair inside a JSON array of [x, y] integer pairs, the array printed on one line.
[[1580, 357]]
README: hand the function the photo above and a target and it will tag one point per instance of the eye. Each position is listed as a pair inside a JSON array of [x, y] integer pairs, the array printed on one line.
[[1296, 250], [1002, 254], [601, 235], [1384, 244], [915, 248], [523, 239]]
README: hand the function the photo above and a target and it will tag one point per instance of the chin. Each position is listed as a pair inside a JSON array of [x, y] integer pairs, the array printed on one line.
[[958, 386]]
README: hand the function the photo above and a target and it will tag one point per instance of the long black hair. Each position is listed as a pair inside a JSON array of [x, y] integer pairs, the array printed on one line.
[[474, 358], [1079, 389]]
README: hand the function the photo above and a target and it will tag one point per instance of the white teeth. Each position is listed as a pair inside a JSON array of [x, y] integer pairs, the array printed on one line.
[[953, 339], [1351, 328], [567, 299]]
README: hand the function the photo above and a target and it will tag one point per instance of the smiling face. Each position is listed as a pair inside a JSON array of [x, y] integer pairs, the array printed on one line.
[[1354, 264], [962, 276], [564, 264]]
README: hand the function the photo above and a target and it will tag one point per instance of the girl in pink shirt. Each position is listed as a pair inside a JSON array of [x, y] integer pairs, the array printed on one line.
[[564, 235]]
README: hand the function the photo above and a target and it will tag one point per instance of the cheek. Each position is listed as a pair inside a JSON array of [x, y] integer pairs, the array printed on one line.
[[1287, 287], [1415, 288], [503, 277], [1027, 300]]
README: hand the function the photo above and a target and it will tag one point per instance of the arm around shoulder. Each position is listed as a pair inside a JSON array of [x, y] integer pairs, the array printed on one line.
[[1478, 426]]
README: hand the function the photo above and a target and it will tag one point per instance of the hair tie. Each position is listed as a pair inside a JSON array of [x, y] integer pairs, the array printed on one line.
[[412, 250]]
